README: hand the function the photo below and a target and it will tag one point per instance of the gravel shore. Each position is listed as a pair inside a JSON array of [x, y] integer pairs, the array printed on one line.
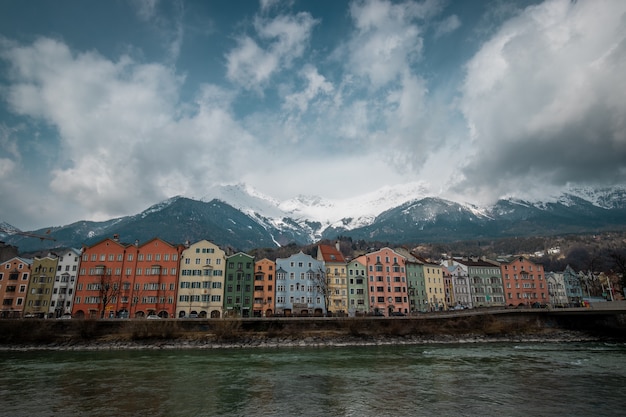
[[211, 342]]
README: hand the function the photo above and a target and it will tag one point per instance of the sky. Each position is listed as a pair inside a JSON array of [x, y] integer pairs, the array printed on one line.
[[108, 107]]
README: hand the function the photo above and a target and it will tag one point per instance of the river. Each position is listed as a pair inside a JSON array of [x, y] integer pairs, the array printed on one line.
[[482, 379]]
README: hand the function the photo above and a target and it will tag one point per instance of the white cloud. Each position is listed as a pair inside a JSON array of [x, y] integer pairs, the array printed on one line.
[[386, 41], [316, 84], [281, 40], [448, 25], [544, 99], [125, 140]]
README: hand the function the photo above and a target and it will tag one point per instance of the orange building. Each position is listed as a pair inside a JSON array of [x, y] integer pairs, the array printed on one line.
[[524, 282], [127, 280], [263, 296], [387, 282], [14, 279]]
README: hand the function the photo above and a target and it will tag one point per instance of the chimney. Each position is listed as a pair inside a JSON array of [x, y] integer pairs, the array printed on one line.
[[116, 237], [337, 246]]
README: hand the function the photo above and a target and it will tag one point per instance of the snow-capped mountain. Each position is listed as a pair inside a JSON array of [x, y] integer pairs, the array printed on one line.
[[313, 213], [240, 217]]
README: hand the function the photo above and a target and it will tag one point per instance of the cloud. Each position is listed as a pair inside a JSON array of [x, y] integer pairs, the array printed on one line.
[[386, 40], [316, 84], [281, 40], [125, 138], [448, 25], [543, 99], [167, 20]]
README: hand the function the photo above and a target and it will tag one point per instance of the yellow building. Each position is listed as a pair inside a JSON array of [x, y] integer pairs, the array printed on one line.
[[40, 286], [434, 285], [336, 278], [201, 281]]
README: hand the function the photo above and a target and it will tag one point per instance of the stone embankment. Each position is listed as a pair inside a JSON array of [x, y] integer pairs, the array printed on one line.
[[294, 332]]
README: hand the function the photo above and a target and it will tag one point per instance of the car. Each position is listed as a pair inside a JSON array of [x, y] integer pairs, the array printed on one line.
[[153, 317], [193, 316], [397, 314], [459, 307], [65, 317]]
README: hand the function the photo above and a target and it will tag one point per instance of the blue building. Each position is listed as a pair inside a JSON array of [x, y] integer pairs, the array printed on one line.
[[301, 286]]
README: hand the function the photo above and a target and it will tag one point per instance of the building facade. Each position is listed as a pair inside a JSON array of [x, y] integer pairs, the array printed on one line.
[[300, 286], [238, 286], [127, 280], [388, 288], [485, 280], [201, 281], [40, 286], [14, 279], [460, 286], [336, 278], [264, 287], [64, 283], [99, 284], [435, 285], [524, 282], [155, 280], [358, 300], [573, 287], [556, 289]]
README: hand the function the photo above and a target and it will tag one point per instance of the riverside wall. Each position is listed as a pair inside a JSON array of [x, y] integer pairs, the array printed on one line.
[[436, 327]]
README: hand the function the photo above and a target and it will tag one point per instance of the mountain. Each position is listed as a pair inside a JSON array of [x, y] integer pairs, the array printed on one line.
[[239, 217]]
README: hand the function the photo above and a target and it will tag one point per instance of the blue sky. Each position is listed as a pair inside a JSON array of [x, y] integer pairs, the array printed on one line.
[[107, 107]]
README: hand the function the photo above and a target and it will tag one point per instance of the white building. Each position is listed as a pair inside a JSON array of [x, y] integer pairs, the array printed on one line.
[[64, 283]]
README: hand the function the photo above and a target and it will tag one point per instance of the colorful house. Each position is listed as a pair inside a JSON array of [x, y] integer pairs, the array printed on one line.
[[524, 281], [40, 286], [64, 283], [573, 287], [336, 278], [238, 285], [387, 282], [263, 296], [434, 283], [14, 279], [418, 297], [485, 280], [201, 281], [556, 289], [460, 286], [301, 286], [127, 280], [156, 278], [358, 300]]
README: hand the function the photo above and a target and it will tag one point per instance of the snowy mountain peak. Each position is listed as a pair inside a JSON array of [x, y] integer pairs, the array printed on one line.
[[346, 213], [603, 197]]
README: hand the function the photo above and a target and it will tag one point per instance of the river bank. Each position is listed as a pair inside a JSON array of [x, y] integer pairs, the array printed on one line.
[[204, 342], [278, 333]]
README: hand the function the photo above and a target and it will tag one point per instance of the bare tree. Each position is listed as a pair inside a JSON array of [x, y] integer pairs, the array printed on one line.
[[321, 286], [109, 290]]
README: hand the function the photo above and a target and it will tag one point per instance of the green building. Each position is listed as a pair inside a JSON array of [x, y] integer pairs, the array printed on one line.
[[239, 285]]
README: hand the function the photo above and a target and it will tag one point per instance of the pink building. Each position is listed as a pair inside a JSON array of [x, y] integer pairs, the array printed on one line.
[[387, 282]]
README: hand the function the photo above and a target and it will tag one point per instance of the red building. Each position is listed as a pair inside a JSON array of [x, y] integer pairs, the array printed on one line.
[[14, 279], [127, 280], [524, 282]]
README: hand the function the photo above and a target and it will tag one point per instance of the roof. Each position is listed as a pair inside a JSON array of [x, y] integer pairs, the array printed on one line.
[[479, 262], [330, 254]]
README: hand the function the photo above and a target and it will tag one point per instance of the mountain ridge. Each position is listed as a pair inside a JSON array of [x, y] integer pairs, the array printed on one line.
[[239, 217]]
